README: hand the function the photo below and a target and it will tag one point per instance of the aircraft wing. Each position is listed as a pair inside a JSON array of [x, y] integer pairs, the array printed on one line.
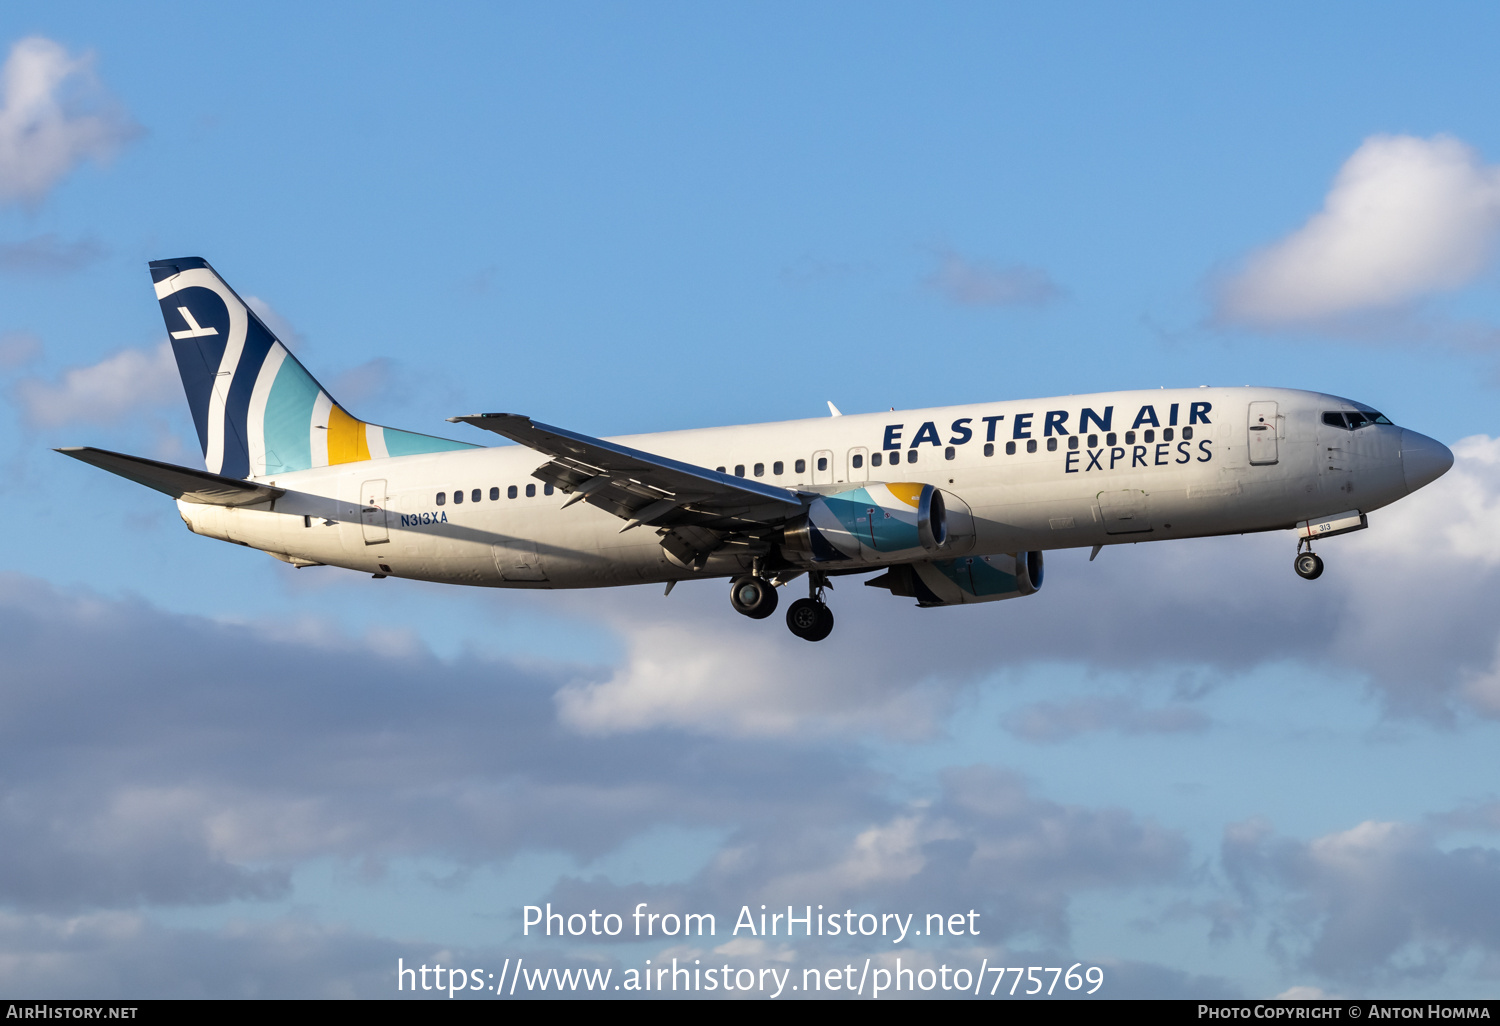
[[637, 486], [178, 482]]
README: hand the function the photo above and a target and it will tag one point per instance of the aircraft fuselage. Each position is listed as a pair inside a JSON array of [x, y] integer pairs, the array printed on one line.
[[1038, 474]]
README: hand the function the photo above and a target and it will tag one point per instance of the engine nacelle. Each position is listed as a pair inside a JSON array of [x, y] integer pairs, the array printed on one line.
[[879, 523], [953, 582]]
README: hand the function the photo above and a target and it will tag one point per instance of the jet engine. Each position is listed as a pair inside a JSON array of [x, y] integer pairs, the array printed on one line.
[[879, 523], [953, 582]]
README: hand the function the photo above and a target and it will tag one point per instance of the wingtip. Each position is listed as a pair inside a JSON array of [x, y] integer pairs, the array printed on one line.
[[469, 418]]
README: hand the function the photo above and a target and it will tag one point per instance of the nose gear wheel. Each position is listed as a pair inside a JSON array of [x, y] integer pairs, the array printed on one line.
[[1309, 565]]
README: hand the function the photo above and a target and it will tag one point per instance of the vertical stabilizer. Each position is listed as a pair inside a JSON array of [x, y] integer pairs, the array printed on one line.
[[257, 409]]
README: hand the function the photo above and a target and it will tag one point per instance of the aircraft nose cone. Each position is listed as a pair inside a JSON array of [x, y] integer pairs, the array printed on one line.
[[1423, 459]]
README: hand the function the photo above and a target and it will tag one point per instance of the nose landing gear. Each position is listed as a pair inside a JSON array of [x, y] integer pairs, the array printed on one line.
[[810, 618], [1309, 565]]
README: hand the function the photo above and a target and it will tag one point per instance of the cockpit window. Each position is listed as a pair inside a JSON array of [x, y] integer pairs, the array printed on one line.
[[1353, 420]]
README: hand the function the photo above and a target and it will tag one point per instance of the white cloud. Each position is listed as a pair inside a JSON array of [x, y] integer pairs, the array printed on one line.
[[1058, 721], [703, 668], [974, 283], [985, 841], [1405, 217], [1380, 900], [18, 348], [279, 325], [48, 254], [53, 115], [104, 392]]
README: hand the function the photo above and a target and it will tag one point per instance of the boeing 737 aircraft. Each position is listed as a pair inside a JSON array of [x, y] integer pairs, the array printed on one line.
[[949, 505]]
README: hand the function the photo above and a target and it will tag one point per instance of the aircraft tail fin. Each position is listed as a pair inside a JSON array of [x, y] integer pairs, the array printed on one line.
[[257, 409]]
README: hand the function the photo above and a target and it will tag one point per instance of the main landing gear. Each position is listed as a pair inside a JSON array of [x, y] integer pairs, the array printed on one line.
[[1308, 565], [752, 596], [809, 618]]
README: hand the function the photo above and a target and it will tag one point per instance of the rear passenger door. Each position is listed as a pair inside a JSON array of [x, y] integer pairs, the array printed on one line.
[[372, 515]]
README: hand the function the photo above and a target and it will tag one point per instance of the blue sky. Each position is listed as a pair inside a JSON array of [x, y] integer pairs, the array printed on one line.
[[223, 776]]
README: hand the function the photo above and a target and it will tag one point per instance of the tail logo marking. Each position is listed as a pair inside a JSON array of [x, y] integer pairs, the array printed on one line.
[[257, 410], [193, 330]]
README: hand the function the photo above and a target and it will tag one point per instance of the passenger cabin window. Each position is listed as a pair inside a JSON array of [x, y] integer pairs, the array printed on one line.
[[494, 494], [949, 453], [989, 448], [739, 470], [1166, 435], [510, 493], [1031, 445], [800, 466], [1010, 448], [858, 460], [895, 456], [1093, 441], [719, 469], [1130, 438], [1150, 435], [546, 489], [476, 495], [458, 496], [875, 459], [1051, 445], [1187, 433], [911, 457], [1111, 438], [1073, 442], [822, 463], [442, 497], [760, 470], [531, 491], [778, 468]]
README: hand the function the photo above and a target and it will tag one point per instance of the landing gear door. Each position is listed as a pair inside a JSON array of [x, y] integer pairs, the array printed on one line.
[[372, 515], [1263, 429]]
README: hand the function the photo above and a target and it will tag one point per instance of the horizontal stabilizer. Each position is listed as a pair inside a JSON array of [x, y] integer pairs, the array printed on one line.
[[178, 482]]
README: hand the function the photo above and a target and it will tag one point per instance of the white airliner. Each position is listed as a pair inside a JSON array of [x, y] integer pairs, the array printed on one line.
[[952, 505]]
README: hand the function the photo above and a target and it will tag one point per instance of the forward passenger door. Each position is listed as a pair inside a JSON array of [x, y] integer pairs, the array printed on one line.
[[1262, 430]]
